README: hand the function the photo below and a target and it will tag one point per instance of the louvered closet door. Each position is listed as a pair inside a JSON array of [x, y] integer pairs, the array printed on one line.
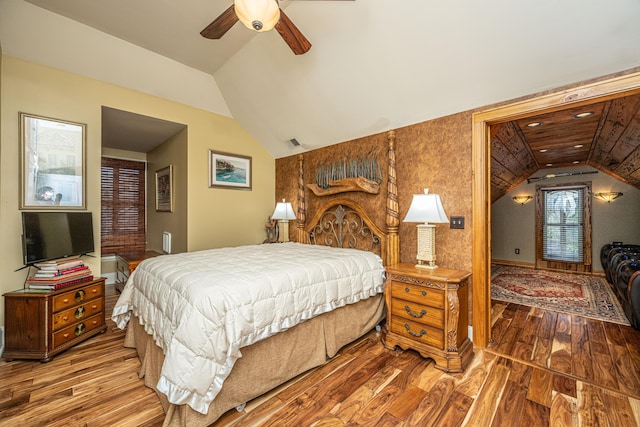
[[123, 225]]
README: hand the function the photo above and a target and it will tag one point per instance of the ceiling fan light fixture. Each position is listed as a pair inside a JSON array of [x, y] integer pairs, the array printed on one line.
[[258, 15]]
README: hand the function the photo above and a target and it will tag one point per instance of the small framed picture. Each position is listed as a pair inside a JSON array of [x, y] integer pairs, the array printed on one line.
[[164, 189], [228, 170], [52, 163]]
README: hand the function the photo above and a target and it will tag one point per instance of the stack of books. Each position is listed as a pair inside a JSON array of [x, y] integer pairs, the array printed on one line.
[[58, 273]]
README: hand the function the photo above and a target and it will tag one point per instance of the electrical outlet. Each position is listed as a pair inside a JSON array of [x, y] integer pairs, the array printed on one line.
[[456, 222], [517, 251]]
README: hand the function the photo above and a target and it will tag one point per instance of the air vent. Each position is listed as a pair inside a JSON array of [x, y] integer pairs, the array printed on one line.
[[294, 142]]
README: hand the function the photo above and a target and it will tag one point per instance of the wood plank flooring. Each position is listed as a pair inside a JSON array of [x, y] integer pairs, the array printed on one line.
[[542, 369]]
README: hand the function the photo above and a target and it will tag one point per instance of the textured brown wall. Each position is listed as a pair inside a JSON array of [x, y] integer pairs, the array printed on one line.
[[370, 146], [435, 154]]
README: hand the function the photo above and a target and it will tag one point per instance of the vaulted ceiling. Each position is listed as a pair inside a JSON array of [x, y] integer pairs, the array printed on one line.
[[605, 136], [374, 65]]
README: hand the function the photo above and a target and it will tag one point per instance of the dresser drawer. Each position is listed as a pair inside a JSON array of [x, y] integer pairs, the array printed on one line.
[[77, 329], [418, 294], [77, 296], [416, 312], [72, 315], [418, 332]]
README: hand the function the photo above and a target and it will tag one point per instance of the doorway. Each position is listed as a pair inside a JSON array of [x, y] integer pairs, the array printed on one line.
[[482, 121]]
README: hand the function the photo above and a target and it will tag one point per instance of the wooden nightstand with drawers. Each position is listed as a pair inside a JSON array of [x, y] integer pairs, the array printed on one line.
[[41, 324], [427, 311]]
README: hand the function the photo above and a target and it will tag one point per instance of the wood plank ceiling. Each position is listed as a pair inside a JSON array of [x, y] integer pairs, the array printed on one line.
[[607, 139]]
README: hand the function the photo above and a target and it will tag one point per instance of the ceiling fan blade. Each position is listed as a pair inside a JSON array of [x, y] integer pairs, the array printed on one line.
[[221, 24], [292, 35]]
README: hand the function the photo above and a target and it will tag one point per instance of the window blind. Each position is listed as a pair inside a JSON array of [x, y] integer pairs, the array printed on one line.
[[123, 224], [563, 226]]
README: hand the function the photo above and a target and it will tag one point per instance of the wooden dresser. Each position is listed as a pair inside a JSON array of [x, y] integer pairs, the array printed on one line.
[[41, 324], [427, 310]]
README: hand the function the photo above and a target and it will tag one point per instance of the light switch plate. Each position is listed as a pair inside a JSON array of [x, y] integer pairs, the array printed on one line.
[[456, 222]]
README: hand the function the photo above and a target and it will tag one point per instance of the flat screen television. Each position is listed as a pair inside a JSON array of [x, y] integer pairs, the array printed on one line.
[[52, 235]]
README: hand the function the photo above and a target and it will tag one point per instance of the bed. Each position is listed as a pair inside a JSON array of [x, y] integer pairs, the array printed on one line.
[[217, 328]]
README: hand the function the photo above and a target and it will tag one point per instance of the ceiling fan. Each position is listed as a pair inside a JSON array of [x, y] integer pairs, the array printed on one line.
[[259, 15]]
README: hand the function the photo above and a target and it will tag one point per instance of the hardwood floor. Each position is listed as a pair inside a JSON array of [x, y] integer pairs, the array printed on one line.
[[543, 369]]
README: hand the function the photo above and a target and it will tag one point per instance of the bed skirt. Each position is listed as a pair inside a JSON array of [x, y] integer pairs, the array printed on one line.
[[265, 364]]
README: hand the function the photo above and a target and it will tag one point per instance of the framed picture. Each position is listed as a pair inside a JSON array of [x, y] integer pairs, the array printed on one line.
[[229, 171], [52, 163], [164, 189]]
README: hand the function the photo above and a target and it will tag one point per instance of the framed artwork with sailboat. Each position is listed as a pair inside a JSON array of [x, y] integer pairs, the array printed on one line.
[[228, 170]]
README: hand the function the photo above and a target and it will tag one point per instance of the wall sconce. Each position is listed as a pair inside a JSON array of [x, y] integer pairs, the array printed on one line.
[[426, 208], [608, 196], [283, 213], [522, 199]]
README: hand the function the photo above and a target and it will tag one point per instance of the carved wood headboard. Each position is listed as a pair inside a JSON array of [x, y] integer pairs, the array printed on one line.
[[343, 222]]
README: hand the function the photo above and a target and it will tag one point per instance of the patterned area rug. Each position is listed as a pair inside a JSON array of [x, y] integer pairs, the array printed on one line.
[[584, 295]]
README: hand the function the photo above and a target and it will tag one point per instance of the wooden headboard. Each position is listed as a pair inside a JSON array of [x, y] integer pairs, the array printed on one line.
[[344, 223]]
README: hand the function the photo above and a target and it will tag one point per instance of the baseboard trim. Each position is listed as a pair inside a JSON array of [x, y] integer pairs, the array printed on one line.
[[111, 278], [513, 263]]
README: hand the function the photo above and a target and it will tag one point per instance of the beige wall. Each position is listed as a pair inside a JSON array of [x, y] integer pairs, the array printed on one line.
[[513, 225], [172, 153], [215, 217]]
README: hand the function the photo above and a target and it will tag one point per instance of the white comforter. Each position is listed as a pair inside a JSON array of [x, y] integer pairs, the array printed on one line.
[[202, 307]]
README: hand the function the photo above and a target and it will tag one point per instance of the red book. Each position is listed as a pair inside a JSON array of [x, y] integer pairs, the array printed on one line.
[[56, 286]]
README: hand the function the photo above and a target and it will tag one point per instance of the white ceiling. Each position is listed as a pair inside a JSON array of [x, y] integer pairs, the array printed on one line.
[[375, 64]]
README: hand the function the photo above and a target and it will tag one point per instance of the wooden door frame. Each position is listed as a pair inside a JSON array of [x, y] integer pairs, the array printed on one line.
[[616, 87]]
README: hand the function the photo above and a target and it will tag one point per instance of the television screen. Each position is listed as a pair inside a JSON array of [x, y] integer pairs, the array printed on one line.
[[51, 235]]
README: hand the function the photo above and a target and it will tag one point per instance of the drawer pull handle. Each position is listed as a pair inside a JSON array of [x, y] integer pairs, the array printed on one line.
[[424, 293], [80, 312], [416, 315], [422, 331], [80, 295], [80, 329]]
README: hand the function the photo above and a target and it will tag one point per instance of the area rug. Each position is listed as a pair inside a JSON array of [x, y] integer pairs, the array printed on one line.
[[579, 294]]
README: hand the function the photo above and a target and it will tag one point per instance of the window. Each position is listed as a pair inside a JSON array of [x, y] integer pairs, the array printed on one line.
[[563, 221], [122, 227], [564, 226]]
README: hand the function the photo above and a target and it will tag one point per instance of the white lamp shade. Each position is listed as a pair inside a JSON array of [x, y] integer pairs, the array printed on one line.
[[426, 208], [258, 15], [283, 211]]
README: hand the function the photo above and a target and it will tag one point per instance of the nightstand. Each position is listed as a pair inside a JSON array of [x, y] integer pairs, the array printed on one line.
[[427, 311]]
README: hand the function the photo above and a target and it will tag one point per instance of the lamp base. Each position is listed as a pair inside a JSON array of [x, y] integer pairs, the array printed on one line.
[[283, 234], [429, 266]]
